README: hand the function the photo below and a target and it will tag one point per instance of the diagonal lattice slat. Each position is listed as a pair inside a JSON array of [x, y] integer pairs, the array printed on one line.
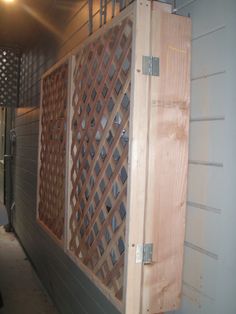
[[51, 208], [99, 151]]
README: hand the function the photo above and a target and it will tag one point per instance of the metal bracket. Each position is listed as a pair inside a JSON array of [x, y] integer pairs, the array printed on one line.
[[144, 253], [151, 65]]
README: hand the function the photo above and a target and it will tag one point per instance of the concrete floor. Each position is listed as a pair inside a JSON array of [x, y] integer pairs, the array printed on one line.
[[21, 289], [3, 215]]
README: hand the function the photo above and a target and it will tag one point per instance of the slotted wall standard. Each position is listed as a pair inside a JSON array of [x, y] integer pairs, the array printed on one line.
[[113, 156]]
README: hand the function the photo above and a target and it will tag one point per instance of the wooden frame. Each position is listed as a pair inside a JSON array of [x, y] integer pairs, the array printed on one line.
[[167, 161], [157, 158], [42, 224], [92, 276]]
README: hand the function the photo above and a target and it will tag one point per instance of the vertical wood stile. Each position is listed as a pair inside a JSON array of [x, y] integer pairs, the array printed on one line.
[[138, 156], [39, 148], [68, 185], [167, 161]]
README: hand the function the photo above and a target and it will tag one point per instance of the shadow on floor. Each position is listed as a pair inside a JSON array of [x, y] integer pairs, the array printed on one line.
[[21, 289]]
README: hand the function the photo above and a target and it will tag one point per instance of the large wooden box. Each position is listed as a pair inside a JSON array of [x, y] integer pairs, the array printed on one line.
[[113, 156]]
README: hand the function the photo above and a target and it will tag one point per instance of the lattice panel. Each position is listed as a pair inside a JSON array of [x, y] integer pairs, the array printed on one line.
[[100, 137], [9, 76], [51, 206]]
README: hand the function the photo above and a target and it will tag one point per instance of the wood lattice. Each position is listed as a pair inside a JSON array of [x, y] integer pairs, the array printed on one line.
[[51, 206], [99, 151]]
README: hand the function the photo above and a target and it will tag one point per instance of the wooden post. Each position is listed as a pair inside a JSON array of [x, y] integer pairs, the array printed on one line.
[[137, 157], [158, 159], [167, 161], [68, 184]]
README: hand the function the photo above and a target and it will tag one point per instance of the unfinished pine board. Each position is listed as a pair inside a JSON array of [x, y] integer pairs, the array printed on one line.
[[52, 151], [167, 161], [137, 157]]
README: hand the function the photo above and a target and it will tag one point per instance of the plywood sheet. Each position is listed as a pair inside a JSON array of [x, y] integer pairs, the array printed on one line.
[[167, 161]]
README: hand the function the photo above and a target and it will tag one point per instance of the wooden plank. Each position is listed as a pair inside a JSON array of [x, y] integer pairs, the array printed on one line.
[[167, 162], [137, 157]]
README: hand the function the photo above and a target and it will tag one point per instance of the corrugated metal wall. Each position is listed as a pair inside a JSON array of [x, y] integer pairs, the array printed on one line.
[[210, 250], [209, 284]]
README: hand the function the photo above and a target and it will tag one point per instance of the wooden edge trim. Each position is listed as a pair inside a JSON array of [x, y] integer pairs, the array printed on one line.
[[68, 185], [137, 157]]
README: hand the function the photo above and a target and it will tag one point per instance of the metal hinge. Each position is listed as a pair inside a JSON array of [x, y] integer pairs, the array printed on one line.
[[144, 253], [151, 66]]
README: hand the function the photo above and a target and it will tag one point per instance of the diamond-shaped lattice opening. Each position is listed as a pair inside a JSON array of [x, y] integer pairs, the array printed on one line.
[[97, 234], [53, 153]]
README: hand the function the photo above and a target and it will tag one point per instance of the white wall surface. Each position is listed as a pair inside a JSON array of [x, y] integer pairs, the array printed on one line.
[[209, 280]]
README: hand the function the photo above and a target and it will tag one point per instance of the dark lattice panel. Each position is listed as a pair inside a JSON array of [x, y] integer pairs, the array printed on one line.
[[53, 151], [100, 136], [9, 76]]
